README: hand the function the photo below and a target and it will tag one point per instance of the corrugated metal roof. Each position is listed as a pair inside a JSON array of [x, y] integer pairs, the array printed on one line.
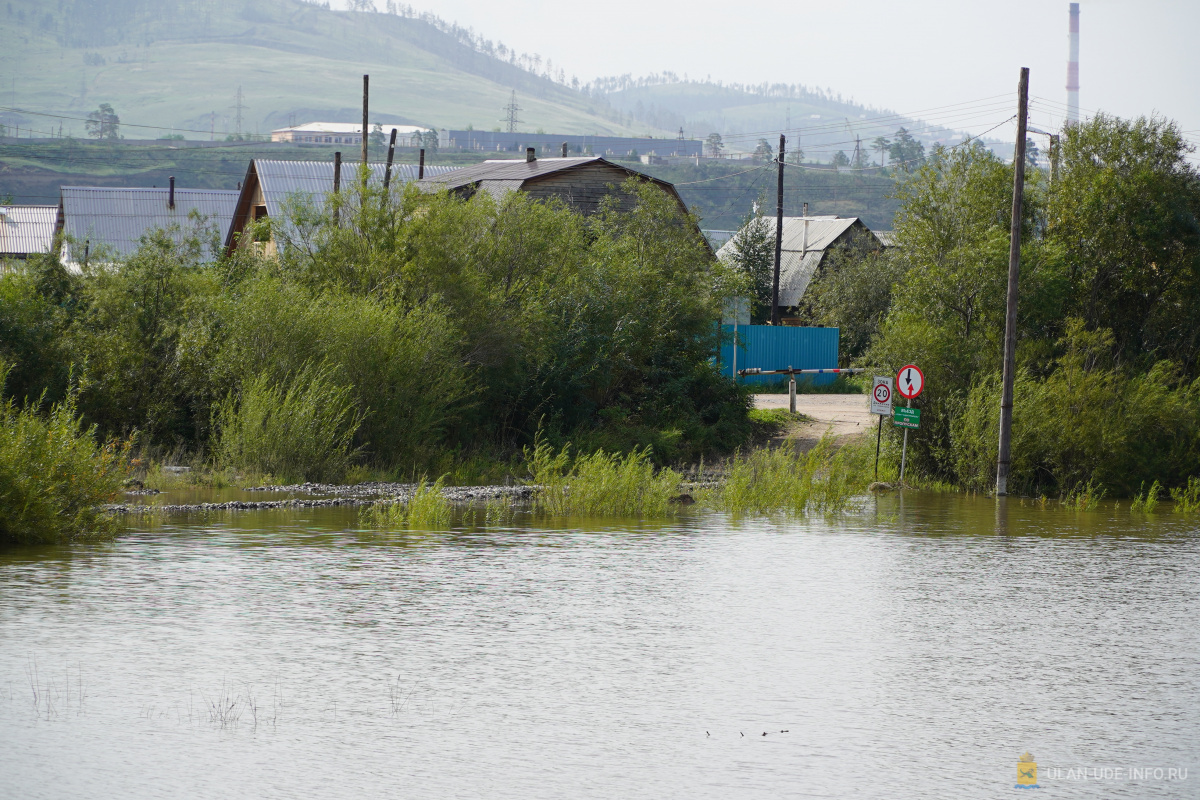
[[25, 230], [801, 251], [120, 217], [514, 170], [886, 238], [312, 181]]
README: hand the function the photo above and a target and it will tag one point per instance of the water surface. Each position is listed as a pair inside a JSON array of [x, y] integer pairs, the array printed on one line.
[[913, 648]]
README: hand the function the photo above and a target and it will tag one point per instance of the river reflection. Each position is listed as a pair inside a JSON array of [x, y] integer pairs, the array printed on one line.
[[913, 648]]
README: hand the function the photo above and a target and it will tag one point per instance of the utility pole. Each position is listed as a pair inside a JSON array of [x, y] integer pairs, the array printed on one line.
[[366, 81], [387, 172], [1004, 459], [778, 235], [1054, 145], [337, 185]]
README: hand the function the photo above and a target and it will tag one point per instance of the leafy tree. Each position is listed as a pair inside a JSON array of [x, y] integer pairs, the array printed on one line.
[[1126, 212], [752, 252], [764, 152], [1031, 154], [840, 159], [906, 152], [882, 145], [714, 144], [103, 123], [377, 137], [429, 140]]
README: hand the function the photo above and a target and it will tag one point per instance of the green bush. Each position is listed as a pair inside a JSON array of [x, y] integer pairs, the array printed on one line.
[[404, 369], [299, 429], [54, 476], [1087, 422], [426, 509], [769, 480], [600, 484]]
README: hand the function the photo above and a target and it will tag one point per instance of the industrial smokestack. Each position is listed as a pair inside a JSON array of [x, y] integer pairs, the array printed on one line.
[[1073, 69]]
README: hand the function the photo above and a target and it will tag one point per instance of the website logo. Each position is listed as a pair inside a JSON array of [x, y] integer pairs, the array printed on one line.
[[1026, 772]]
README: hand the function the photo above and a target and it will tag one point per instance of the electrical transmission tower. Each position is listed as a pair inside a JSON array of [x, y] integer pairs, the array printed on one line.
[[510, 114], [240, 106]]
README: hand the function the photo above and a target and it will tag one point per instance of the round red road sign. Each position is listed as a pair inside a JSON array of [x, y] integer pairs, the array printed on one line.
[[910, 381], [882, 393]]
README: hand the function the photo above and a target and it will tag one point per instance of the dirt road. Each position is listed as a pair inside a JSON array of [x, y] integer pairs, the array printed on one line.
[[839, 414]]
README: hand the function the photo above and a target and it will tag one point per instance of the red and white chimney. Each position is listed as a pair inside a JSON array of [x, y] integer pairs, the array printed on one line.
[[1073, 69]]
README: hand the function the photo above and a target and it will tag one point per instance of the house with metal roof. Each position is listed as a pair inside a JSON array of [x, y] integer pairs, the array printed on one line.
[[114, 220], [807, 243], [272, 188], [26, 230], [581, 183]]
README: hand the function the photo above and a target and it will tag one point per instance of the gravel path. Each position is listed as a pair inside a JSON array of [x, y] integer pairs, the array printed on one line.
[[838, 414]]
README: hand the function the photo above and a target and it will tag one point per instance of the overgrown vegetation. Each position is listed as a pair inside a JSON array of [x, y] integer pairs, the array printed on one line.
[[600, 484], [421, 334], [54, 476], [426, 509], [1108, 353], [769, 480]]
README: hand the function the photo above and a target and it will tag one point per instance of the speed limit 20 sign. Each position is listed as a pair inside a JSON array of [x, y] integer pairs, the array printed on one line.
[[881, 395]]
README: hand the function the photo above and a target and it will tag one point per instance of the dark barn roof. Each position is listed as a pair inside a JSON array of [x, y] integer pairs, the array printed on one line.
[[581, 182]]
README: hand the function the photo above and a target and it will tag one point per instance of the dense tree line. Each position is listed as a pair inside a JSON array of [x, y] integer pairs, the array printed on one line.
[[1108, 390]]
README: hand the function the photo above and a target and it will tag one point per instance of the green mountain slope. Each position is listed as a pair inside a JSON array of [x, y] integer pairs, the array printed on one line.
[[178, 64]]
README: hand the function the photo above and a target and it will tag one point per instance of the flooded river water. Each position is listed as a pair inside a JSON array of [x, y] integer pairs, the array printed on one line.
[[911, 649]]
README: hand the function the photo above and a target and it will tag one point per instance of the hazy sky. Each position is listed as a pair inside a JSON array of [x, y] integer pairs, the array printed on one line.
[[1136, 57]]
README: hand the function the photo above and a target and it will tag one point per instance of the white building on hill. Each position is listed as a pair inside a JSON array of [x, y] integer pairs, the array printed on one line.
[[340, 133]]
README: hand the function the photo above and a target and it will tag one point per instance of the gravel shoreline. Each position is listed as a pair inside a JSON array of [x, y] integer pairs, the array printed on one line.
[[361, 494]]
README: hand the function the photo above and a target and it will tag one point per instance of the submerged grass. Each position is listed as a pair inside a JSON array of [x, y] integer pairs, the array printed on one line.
[[1146, 500], [1187, 498], [600, 484], [765, 481], [1085, 497], [426, 509]]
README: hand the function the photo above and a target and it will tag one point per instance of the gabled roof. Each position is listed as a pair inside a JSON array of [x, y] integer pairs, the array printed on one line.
[[119, 217], [314, 179], [514, 171], [802, 252], [306, 182], [25, 230]]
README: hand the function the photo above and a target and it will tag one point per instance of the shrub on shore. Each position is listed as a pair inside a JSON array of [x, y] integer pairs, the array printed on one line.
[[296, 430], [426, 510], [600, 484], [53, 475], [781, 479]]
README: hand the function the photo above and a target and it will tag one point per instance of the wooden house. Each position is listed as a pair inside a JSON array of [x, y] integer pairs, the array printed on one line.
[[581, 183]]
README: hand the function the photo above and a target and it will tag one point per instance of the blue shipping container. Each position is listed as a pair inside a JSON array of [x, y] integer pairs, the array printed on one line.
[[780, 347]]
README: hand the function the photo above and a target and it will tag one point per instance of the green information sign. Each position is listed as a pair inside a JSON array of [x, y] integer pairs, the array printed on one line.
[[906, 417]]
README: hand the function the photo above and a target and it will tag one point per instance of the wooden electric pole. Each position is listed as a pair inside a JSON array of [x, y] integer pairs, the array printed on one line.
[[337, 185], [778, 236], [366, 81], [387, 172], [1004, 458]]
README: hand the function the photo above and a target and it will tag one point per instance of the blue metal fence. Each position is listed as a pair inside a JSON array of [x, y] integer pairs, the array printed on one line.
[[780, 347]]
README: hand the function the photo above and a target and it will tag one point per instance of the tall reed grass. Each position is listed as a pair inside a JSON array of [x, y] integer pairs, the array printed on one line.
[[1146, 500], [824, 479], [302, 429], [1187, 498], [426, 510], [600, 484], [54, 477]]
